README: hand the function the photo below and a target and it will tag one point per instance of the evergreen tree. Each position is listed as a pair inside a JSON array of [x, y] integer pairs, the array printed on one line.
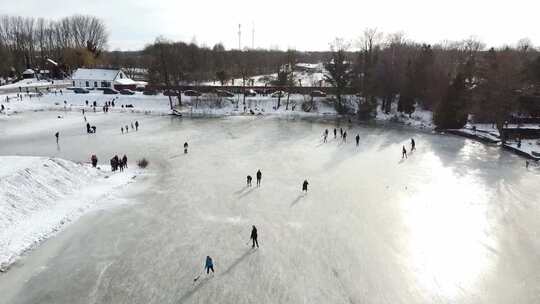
[[451, 112], [407, 95], [339, 74]]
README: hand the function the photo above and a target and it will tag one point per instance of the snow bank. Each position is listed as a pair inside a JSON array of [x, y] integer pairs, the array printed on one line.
[[39, 195]]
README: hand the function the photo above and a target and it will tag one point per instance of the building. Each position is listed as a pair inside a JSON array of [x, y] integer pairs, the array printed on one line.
[[102, 78]]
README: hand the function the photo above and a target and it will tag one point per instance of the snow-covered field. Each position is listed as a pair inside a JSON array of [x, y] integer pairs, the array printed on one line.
[[455, 222], [39, 195], [193, 106]]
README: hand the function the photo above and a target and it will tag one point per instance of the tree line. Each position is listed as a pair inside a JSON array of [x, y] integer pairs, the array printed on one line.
[[454, 79], [27, 42]]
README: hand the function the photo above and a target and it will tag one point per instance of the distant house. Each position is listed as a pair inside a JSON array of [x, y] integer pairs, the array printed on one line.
[[29, 74], [102, 78]]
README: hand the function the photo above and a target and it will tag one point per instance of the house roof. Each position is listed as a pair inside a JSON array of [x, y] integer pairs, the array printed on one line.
[[95, 74], [125, 81]]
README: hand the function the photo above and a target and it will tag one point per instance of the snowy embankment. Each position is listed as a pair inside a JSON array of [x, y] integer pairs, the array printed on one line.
[[40, 195]]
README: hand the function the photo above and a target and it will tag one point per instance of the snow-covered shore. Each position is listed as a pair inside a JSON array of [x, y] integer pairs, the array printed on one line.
[[39, 195]]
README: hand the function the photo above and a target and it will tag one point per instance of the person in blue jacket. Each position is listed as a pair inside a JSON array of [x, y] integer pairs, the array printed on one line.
[[209, 265]]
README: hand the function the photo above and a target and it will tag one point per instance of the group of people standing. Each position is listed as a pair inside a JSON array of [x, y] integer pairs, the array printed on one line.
[[259, 177], [118, 164], [342, 135]]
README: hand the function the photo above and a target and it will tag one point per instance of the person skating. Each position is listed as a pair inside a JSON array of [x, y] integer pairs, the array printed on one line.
[[122, 129], [345, 136], [249, 178], [57, 135], [413, 145], [335, 133], [127, 129], [185, 147], [94, 160], [124, 161], [209, 265], [324, 137], [403, 153], [357, 140], [304, 186], [136, 125], [341, 132], [259, 176], [254, 237]]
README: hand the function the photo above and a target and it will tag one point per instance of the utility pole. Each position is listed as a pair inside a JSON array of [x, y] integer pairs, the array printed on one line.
[[240, 37], [253, 36]]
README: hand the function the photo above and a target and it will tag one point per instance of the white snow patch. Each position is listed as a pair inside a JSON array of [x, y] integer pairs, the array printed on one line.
[[39, 195]]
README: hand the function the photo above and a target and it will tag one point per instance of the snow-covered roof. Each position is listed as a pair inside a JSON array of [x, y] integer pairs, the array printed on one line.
[[95, 74], [125, 81], [28, 72]]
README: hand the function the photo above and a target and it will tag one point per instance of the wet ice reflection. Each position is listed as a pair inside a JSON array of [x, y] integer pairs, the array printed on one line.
[[446, 218]]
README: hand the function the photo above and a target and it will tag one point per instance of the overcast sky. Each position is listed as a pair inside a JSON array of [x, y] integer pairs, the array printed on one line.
[[299, 24]]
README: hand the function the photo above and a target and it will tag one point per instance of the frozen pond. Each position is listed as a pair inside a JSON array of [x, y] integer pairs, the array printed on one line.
[[456, 222]]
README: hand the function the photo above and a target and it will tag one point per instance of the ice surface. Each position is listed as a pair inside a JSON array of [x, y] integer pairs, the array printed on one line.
[[456, 222]]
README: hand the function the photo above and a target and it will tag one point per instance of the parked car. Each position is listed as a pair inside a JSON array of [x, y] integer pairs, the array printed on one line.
[[80, 91], [109, 91], [278, 94], [127, 92], [317, 93], [170, 93], [192, 93], [150, 92], [224, 93], [250, 93]]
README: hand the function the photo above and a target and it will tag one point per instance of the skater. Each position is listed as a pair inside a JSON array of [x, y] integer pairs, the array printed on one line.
[[57, 135], [88, 128], [94, 129], [345, 136], [132, 127], [185, 147], [122, 129], [526, 164], [324, 137], [259, 176], [304, 186], [335, 133], [403, 153], [209, 265], [127, 130], [136, 125], [341, 132], [249, 178], [413, 145], [357, 139], [254, 237], [94, 160], [124, 161]]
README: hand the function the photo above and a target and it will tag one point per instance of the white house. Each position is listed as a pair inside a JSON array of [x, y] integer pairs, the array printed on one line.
[[102, 78]]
